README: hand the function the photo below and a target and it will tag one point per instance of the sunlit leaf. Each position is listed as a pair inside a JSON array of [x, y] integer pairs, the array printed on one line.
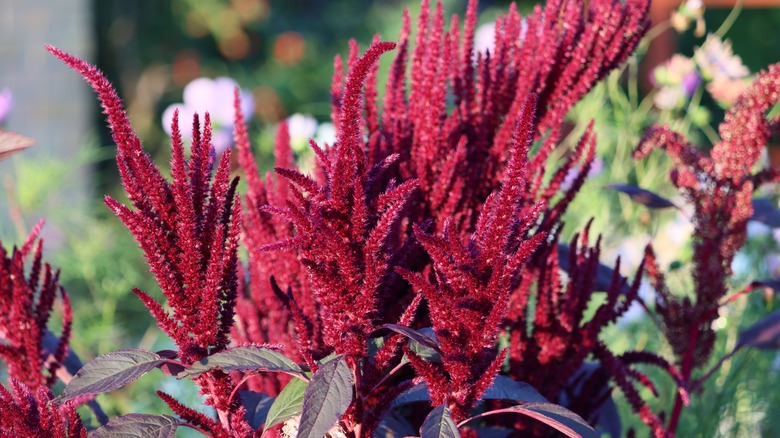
[[326, 399], [140, 426], [244, 359], [439, 424], [111, 371], [11, 143], [288, 404]]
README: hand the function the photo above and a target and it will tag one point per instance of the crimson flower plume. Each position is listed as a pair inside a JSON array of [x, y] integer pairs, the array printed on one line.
[[26, 304]]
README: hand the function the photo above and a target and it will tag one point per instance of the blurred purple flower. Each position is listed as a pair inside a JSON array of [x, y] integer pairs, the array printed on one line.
[[676, 80], [773, 265], [6, 103], [595, 170], [214, 96]]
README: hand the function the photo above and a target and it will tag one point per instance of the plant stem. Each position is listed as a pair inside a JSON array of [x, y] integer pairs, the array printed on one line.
[[686, 368]]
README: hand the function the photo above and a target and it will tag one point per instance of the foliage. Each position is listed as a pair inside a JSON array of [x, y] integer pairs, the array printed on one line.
[[421, 262]]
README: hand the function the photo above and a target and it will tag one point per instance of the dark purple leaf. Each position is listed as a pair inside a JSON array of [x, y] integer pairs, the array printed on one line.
[[766, 212], [111, 371], [608, 419], [287, 404], [764, 335], [11, 143], [414, 335], [416, 393], [555, 416], [642, 196], [257, 406], [394, 425], [244, 359], [607, 416], [326, 398], [504, 388], [439, 424], [140, 426], [772, 284]]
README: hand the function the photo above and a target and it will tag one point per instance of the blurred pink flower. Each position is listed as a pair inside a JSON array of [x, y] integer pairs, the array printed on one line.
[[6, 103], [726, 91], [716, 60], [214, 96]]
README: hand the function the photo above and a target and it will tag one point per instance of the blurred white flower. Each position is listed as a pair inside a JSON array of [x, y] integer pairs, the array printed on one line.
[[214, 96], [757, 229], [326, 134], [302, 127], [484, 38], [290, 429]]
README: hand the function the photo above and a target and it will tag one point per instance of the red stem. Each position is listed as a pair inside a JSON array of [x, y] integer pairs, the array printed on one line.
[[686, 368]]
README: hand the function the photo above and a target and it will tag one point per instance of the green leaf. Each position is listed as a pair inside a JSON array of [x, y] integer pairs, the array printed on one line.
[[426, 353], [439, 424], [414, 335], [327, 397], [764, 334], [244, 359], [138, 425], [111, 371], [288, 403]]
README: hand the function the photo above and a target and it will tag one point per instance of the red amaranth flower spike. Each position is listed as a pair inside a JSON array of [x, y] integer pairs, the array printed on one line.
[[31, 412], [720, 186], [188, 230], [26, 303]]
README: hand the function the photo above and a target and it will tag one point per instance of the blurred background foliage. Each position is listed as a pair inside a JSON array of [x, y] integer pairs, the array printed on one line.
[[282, 52]]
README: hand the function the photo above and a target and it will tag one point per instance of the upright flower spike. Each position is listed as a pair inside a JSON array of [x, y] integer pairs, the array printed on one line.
[[263, 315], [188, 228], [469, 285], [189, 231], [30, 412], [347, 233], [342, 229], [26, 303], [719, 185]]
